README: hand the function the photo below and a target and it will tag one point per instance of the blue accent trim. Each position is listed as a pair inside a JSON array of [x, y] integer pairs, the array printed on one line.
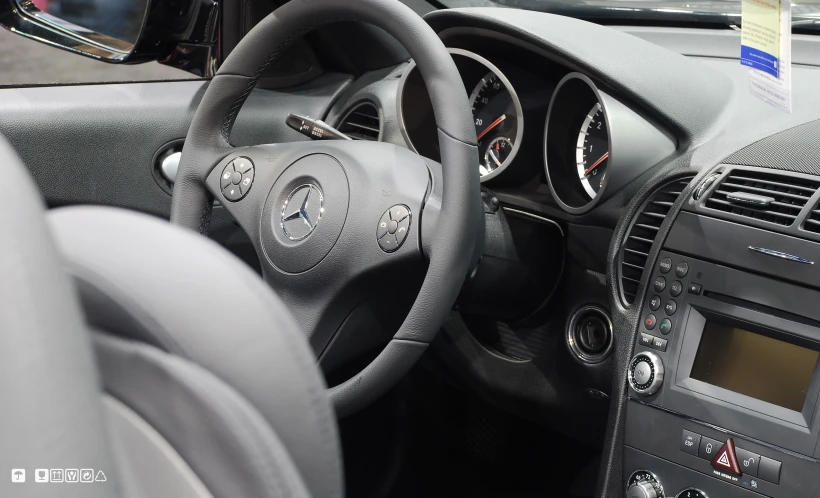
[[760, 60]]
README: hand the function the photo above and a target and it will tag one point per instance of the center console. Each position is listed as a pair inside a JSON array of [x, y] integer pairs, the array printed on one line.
[[725, 379]]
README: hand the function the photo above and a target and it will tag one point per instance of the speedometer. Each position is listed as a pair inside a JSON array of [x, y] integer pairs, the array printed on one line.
[[497, 116], [592, 151]]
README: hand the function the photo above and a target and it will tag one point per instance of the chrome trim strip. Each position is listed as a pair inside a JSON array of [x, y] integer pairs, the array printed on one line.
[[534, 217], [781, 255]]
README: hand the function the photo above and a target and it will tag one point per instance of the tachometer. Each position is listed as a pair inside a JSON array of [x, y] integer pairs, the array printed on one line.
[[497, 116], [592, 151], [497, 113]]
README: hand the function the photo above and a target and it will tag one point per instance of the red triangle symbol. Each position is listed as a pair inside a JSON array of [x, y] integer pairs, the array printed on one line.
[[726, 459]]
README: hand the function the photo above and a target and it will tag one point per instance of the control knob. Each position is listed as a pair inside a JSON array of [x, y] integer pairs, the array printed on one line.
[[644, 484], [646, 373]]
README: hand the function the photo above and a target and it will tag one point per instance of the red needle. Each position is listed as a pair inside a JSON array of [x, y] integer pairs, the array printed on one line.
[[495, 123], [599, 161]]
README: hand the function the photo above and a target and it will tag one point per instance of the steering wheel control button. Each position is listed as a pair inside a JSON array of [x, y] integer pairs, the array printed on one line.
[[384, 225], [666, 265], [682, 269], [246, 181], [660, 284], [232, 193], [665, 326], [690, 442], [227, 175], [655, 303], [650, 321], [393, 227], [399, 213], [670, 308], [242, 165], [236, 179], [676, 288]]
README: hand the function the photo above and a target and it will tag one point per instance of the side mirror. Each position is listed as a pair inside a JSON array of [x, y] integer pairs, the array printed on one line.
[[180, 33]]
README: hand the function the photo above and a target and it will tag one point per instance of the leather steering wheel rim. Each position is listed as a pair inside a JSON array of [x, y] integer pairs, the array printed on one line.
[[459, 224]]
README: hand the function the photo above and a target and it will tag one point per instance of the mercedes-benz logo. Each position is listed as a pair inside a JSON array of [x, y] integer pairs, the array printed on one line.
[[302, 211]]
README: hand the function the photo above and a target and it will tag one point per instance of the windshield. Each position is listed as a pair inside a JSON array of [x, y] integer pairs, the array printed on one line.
[[700, 13]]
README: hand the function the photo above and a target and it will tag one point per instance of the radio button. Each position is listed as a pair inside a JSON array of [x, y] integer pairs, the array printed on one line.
[[676, 288], [695, 289], [666, 265], [709, 448], [660, 284], [666, 326], [655, 303], [748, 461], [650, 321], [690, 442], [682, 269], [646, 340], [769, 470], [671, 307], [659, 344]]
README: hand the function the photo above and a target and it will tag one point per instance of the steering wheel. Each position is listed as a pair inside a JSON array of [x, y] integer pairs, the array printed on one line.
[[331, 219]]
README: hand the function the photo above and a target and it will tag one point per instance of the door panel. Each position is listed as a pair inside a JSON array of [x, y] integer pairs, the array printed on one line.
[[95, 144]]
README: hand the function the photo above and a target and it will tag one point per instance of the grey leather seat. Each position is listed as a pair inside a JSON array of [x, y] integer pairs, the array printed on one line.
[[151, 356]]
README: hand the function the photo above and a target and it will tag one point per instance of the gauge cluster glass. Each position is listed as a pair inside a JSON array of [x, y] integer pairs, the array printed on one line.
[[592, 151], [497, 113], [577, 145]]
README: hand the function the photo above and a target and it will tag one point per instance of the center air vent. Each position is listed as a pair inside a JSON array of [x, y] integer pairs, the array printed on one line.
[[786, 195], [642, 233], [362, 122]]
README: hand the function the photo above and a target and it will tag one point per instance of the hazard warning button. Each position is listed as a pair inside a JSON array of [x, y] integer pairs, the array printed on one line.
[[726, 458]]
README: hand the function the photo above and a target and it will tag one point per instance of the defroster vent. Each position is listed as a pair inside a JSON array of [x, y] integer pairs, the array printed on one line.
[[785, 195], [362, 122], [642, 233]]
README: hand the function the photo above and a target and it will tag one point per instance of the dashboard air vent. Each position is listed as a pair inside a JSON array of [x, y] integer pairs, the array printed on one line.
[[362, 122], [642, 233], [788, 195], [812, 223]]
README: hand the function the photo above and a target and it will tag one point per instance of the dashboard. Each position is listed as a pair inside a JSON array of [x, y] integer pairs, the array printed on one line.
[[652, 234]]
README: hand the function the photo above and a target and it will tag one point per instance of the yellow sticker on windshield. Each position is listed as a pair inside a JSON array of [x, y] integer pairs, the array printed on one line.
[[760, 35]]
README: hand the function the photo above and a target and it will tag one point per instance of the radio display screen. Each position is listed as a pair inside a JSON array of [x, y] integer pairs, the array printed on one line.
[[755, 365]]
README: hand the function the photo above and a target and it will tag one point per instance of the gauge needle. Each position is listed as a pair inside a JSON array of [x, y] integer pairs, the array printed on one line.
[[495, 123], [599, 161], [495, 159]]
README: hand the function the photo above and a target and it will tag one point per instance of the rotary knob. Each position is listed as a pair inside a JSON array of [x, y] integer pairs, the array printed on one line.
[[646, 373], [644, 484]]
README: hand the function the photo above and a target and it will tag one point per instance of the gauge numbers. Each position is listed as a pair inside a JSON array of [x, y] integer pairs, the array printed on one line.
[[592, 151], [496, 113]]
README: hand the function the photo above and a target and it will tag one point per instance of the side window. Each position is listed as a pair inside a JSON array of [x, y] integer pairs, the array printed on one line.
[[25, 61]]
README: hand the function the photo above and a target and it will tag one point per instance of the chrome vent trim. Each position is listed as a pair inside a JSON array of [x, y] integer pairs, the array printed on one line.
[[638, 242], [790, 194], [362, 122]]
